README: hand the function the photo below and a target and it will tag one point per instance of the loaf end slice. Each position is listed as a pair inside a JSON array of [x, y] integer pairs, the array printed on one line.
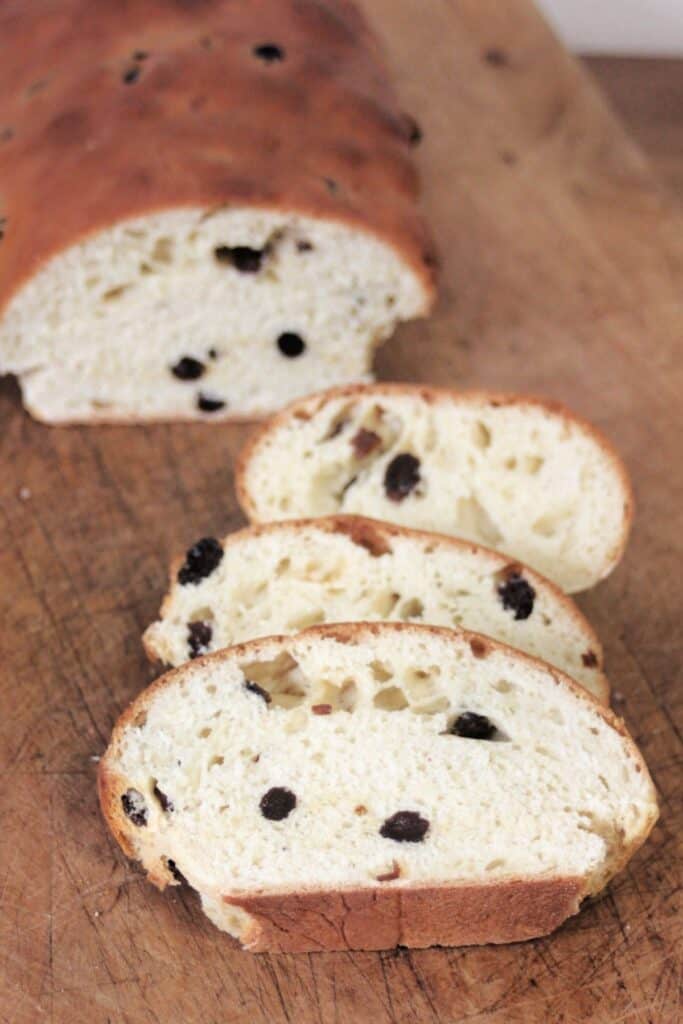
[[518, 474], [281, 577], [367, 785], [238, 221]]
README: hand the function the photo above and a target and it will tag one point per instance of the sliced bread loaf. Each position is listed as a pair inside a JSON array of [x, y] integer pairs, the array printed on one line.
[[281, 577], [368, 785], [517, 474], [201, 217]]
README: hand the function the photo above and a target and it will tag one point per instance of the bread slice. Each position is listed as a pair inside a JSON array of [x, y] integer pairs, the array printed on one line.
[[367, 785], [517, 474], [200, 220], [280, 577]]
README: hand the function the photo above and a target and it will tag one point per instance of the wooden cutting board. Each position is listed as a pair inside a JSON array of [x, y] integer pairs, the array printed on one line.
[[563, 276]]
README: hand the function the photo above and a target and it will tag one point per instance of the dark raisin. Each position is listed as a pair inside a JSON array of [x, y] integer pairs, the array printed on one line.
[[472, 726], [166, 804], [364, 442], [277, 803], [269, 52], [258, 690], [130, 75], [207, 404], [405, 827], [241, 257], [331, 185], [199, 636], [321, 709], [402, 476], [134, 807], [175, 871], [201, 560], [290, 344], [589, 658], [517, 595], [303, 246], [140, 55], [188, 368], [212, 353]]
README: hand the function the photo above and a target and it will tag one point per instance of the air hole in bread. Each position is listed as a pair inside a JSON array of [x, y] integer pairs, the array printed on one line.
[[305, 619], [216, 761], [384, 603], [510, 463], [411, 609], [481, 435], [282, 566], [492, 865], [546, 526], [419, 685], [162, 251], [281, 679], [473, 520], [532, 464], [204, 733], [140, 720], [502, 686], [337, 424], [381, 672], [115, 293], [391, 698], [340, 698]]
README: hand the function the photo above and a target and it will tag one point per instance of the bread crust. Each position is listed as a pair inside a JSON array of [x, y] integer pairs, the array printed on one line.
[[386, 914], [377, 534], [311, 404], [73, 103], [384, 917]]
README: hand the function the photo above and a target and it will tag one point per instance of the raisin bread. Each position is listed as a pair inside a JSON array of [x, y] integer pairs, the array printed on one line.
[[204, 212], [368, 785], [517, 474], [281, 577]]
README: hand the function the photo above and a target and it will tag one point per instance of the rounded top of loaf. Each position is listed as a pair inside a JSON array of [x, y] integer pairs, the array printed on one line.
[[110, 111]]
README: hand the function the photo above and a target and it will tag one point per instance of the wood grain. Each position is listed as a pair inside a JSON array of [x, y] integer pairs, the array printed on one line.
[[563, 276]]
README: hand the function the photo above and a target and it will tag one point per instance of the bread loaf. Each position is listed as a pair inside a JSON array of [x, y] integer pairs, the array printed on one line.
[[363, 786], [280, 577], [517, 474], [206, 210]]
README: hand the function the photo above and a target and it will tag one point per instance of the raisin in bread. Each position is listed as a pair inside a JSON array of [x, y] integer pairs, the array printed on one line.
[[367, 785], [204, 213], [281, 577], [517, 474]]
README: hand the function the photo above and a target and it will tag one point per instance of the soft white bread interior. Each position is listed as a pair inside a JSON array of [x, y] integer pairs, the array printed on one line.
[[281, 577], [198, 314], [516, 474], [365, 785]]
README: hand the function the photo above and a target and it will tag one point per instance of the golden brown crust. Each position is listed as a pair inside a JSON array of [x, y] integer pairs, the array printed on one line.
[[375, 535], [197, 121], [386, 916], [311, 404]]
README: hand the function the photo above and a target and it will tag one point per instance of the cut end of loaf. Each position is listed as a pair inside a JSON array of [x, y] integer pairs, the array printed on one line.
[[204, 314], [494, 775]]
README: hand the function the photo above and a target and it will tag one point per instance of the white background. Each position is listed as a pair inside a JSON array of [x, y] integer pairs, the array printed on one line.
[[629, 27]]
